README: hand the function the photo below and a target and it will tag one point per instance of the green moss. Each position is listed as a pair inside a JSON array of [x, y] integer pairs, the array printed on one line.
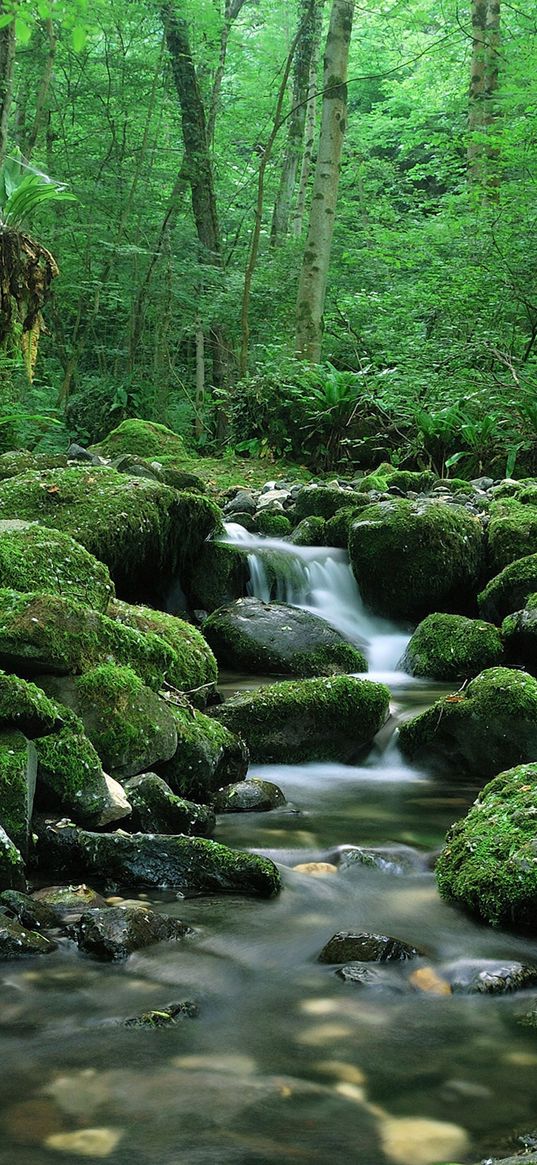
[[16, 462], [322, 501], [44, 633], [309, 532], [411, 557], [528, 496], [69, 773], [208, 756], [145, 532], [520, 636], [451, 647], [181, 479], [337, 528], [478, 732], [155, 809], [25, 707], [194, 669], [11, 864], [509, 590], [219, 575], [37, 559], [313, 719], [143, 439], [274, 524], [406, 479], [488, 864], [512, 533], [17, 784]]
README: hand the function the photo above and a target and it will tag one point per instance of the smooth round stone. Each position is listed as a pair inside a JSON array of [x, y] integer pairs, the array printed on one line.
[[251, 796], [315, 869], [361, 946]]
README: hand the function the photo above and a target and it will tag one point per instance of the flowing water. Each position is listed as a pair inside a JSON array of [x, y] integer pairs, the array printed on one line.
[[285, 1063]]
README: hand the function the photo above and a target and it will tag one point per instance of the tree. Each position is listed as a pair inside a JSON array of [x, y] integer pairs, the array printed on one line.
[[484, 80], [7, 60], [315, 264]]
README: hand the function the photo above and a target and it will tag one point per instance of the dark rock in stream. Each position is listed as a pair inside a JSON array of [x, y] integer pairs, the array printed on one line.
[[488, 976], [68, 903], [350, 946], [251, 796], [115, 932], [166, 1016], [192, 865], [27, 911], [16, 942], [397, 860], [372, 977], [156, 809]]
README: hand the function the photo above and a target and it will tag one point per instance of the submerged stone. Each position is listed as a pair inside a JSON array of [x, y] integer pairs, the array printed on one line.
[[373, 977], [115, 932], [68, 902], [167, 1016]]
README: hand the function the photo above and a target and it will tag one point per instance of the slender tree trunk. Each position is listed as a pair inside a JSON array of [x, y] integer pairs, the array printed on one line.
[[484, 79], [309, 137], [40, 115], [231, 11], [200, 377], [491, 88], [309, 18], [7, 60], [314, 275]]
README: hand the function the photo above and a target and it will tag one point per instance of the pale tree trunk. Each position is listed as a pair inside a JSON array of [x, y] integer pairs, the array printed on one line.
[[309, 22], [314, 275], [484, 79], [7, 60], [231, 11], [200, 377], [297, 223]]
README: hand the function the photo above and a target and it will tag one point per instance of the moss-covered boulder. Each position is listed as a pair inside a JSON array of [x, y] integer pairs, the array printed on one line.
[[19, 460], [452, 647], [18, 770], [208, 756], [520, 636], [25, 707], [71, 780], [17, 942], [322, 501], [412, 558], [128, 725], [489, 862], [488, 727], [219, 575], [511, 534], [274, 525], [193, 669], [145, 532], [142, 439], [309, 532], [11, 864], [317, 719], [277, 639], [156, 809], [192, 865], [181, 479], [33, 558], [509, 590], [41, 634], [408, 480], [337, 529]]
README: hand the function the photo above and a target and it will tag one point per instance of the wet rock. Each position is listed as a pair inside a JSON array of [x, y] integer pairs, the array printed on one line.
[[275, 638], [520, 636], [395, 860], [29, 912], [68, 902], [114, 933], [11, 864], [194, 668], [251, 796], [219, 575], [350, 946], [31, 1121], [167, 1016], [190, 864], [314, 719], [511, 533], [129, 726], [489, 976], [155, 809], [372, 977], [244, 502], [16, 942], [509, 590], [451, 647], [18, 771], [208, 756], [427, 980]]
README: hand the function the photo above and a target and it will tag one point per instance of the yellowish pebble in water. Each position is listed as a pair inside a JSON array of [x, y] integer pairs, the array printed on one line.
[[520, 1059], [315, 1037], [416, 1141], [320, 1006], [236, 1064], [350, 1092], [348, 1073], [98, 1143], [427, 979], [79, 1094], [315, 869]]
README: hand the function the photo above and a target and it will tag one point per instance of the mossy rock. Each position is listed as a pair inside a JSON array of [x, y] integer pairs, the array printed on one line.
[[315, 719], [272, 524], [42, 634], [181, 479], [37, 559], [509, 590], [337, 529], [208, 756], [377, 479], [322, 501], [277, 639], [18, 770], [20, 460], [25, 707], [309, 532], [520, 636], [156, 809], [408, 480], [488, 727], [451, 647], [146, 533], [192, 865], [512, 533], [193, 670], [142, 439], [219, 575], [488, 864], [11, 864], [17, 942], [412, 558], [70, 777], [128, 725]]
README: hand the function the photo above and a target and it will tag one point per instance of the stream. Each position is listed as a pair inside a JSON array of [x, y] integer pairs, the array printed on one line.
[[285, 1063]]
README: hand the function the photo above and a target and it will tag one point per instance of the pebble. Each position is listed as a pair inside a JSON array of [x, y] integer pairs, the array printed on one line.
[[427, 979], [344, 1073], [316, 869], [98, 1143], [315, 1037], [416, 1141], [236, 1064]]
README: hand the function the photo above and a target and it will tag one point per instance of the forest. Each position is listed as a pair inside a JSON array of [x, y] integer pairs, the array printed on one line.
[[187, 139]]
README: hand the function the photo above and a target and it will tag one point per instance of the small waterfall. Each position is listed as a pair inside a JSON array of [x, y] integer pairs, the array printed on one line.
[[318, 579]]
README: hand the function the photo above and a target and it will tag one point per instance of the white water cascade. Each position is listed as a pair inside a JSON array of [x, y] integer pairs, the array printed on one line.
[[319, 579]]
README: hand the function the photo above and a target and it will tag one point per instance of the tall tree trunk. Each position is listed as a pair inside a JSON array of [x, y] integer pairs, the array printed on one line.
[[7, 60], [40, 115], [314, 275], [309, 25], [231, 11], [297, 223], [484, 79]]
